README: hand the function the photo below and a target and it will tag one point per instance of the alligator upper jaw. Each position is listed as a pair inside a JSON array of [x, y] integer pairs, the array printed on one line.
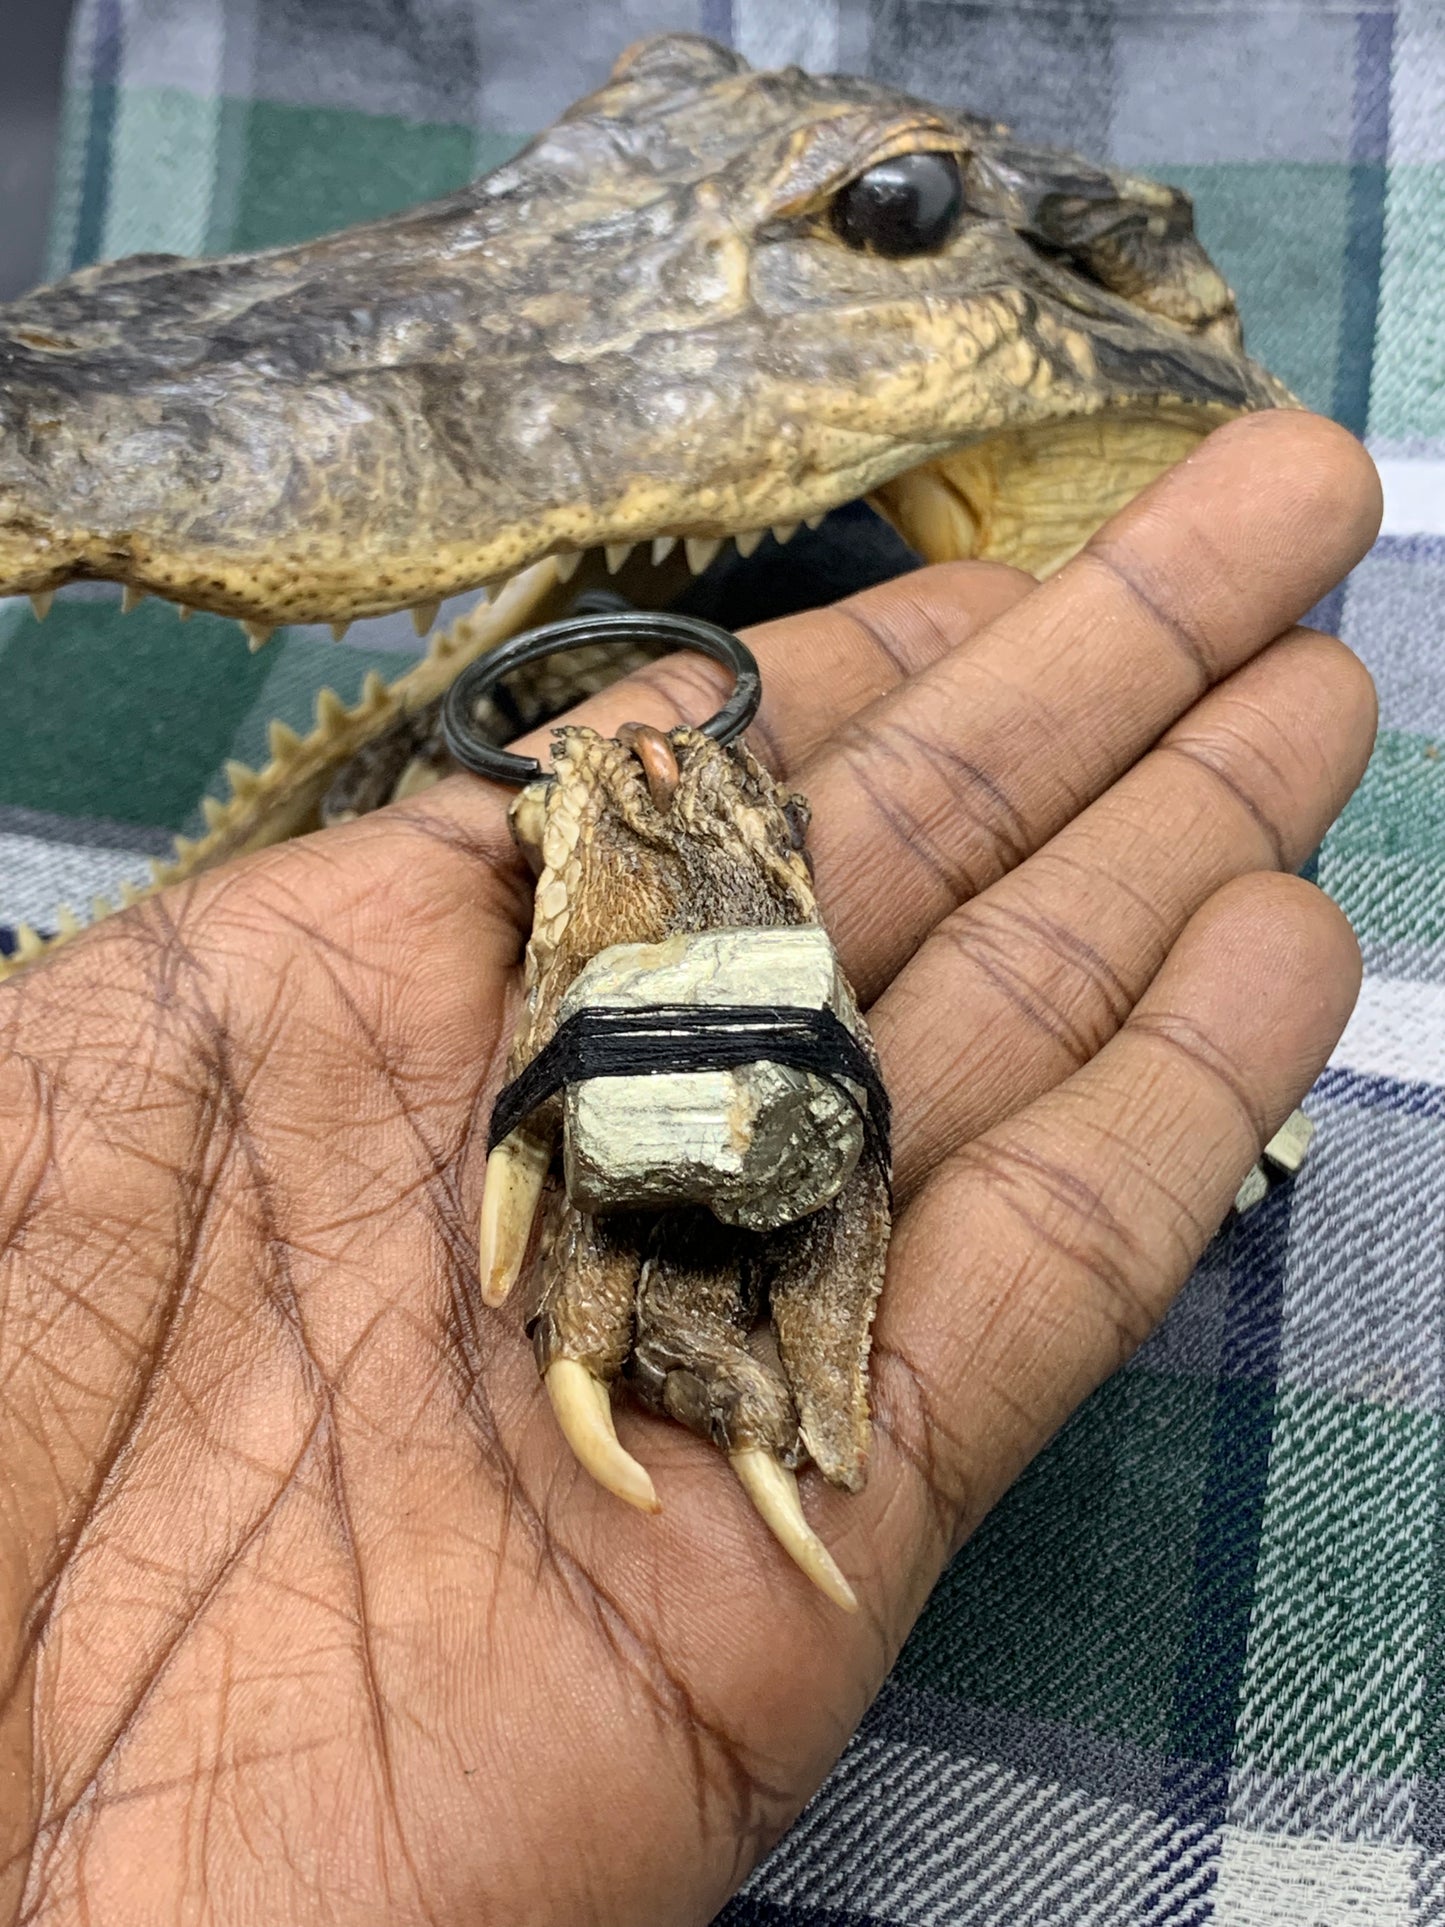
[[1030, 497]]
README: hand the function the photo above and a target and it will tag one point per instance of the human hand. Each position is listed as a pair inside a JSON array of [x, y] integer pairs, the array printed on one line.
[[307, 1614]]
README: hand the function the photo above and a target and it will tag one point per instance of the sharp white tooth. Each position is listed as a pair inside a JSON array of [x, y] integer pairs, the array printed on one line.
[[567, 565], [258, 634], [774, 1491], [584, 1412], [748, 540], [282, 740], [214, 812], [131, 598], [617, 554], [339, 629], [701, 549], [785, 531], [662, 548], [42, 602], [424, 615], [330, 710], [67, 924], [184, 612], [815, 521]]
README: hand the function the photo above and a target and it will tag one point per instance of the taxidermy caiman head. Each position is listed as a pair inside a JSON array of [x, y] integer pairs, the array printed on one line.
[[707, 303]]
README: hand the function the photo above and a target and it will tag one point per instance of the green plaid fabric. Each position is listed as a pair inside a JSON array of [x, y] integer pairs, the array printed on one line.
[[1194, 1668]]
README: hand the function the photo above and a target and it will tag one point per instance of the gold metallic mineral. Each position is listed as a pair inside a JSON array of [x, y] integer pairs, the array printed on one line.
[[761, 1145]]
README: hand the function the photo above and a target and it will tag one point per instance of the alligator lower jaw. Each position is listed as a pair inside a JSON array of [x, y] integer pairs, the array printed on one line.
[[1034, 496]]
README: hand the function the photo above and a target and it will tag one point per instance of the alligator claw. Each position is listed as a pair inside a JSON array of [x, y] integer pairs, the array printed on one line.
[[511, 1193], [584, 1412], [774, 1492]]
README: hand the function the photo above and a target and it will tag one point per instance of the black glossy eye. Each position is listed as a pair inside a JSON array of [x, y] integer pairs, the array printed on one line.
[[909, 205]]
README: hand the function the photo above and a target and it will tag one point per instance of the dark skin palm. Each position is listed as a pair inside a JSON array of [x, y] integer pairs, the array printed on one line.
[[307, 1613]]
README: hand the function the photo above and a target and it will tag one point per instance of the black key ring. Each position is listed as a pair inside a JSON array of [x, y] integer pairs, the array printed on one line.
[[479, 678]]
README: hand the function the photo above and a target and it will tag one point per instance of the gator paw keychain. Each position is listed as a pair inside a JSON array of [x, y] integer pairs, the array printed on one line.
[[693, 1104]]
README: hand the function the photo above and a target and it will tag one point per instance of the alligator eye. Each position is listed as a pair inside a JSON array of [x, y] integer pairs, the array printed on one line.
[[908, 205]]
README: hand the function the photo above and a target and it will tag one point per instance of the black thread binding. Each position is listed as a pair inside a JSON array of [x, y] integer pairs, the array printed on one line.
[[602, 1041]]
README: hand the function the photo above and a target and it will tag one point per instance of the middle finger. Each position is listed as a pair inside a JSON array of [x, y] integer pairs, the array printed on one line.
[[940, 787]]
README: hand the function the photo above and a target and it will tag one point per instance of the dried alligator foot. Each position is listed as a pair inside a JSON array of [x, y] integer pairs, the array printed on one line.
[[756, 1339]]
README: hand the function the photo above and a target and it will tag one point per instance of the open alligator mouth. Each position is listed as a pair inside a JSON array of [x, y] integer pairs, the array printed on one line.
[[706, 304]]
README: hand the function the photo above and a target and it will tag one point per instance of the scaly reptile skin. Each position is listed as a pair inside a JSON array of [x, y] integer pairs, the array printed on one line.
[[644, 329]]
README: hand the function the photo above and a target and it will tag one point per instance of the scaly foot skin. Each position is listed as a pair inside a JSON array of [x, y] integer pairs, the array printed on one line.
[[308, 1612]]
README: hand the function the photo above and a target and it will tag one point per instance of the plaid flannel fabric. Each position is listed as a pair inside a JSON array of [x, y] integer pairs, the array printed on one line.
[[1194, 1668]]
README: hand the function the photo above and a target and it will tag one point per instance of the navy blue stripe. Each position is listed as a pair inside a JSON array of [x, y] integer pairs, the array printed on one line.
[[1368, 1091], [1426, 549], [1365, 231], [1231, 1515], [99, 132], [746, 1911], [716, 20]]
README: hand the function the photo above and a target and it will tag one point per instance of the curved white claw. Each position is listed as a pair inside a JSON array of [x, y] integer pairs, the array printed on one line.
[[774, 1491], [584, 1412], [511, 1193]]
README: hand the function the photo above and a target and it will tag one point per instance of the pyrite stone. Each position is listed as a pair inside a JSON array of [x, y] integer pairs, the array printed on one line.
[[760, 1145]]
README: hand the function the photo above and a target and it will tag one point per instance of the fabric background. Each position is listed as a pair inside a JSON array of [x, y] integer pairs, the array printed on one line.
[[1193, 1669]]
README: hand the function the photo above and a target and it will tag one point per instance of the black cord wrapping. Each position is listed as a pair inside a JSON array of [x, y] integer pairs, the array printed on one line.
[[603, 1041]]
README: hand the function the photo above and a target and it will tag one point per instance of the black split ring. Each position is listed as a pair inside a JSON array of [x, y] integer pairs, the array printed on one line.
[[479, 678]]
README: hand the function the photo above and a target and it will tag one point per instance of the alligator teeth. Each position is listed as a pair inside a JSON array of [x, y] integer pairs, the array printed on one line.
[[67, 924], [129, 893], [617, 554], [184, 612], [28, 942], [424, 615], [338, 631], [785, 531], [283, 741], [184, 847], [567, 565], [330, 710], [749, 540], [373, 691], [243, 779], [815, 521], [131, 598], [214, 812], [662, 548], [701, 550], [258, 634], [100, 909], [42, 602]]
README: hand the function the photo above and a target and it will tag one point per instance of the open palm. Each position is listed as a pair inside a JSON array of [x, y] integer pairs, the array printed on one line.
[[307, 1613]]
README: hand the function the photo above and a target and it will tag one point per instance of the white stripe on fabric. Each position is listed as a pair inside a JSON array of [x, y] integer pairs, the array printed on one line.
[[802, 35], [1269, 1880], [36, 876], [167, 123], [1397, 1030], [1414, 496]]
